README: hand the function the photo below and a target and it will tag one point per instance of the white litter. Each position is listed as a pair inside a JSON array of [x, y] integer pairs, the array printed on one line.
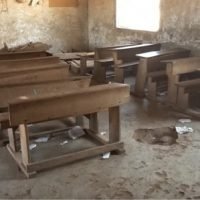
[[42, 139], [76, 132], [106, 155], [64, 142], [103, 133], [184, 130], [185, 120], [32, 146]]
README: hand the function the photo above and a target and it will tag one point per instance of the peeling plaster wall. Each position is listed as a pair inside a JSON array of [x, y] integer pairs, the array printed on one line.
[[63, 28], [180, 24]]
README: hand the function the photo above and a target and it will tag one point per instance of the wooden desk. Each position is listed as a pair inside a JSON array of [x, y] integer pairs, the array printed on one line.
[[84, 102], [150, 61], [175, 68], [104, 61], [126, 57]]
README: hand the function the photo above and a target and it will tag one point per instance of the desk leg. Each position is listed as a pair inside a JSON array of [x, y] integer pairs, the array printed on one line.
[[93, 122], [119, 75], [99, 73], [12, 139], [83, 65], [114, 124], [24, 140], [172, 89], [141, 78]]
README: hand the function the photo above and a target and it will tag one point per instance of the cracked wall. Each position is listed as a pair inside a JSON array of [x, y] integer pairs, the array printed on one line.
[[180, 24], [63, 28]]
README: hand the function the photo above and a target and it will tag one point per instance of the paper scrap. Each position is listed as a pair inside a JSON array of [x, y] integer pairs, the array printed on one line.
[[106, 155], [184, 130], [32, 146], [64, 142], [42, 139]]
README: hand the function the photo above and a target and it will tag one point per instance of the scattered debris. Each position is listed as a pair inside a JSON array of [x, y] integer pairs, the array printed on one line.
[[185, 121], [103, 133], [42, 139], [76, 132], [184, 130], [64, 142], [106, 156], [32, 146], [162, 136], [183, 127]]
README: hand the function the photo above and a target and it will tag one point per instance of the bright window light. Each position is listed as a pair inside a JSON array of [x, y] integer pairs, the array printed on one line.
[[138, 14]]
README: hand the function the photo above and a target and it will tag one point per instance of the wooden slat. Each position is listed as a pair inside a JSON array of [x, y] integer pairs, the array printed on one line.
[[21, 55], [71, 157], [181, 66], [33, 76], [85, 101], [9, 93]]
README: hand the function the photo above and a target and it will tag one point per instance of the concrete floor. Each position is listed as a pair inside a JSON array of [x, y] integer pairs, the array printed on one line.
[[145, 171]]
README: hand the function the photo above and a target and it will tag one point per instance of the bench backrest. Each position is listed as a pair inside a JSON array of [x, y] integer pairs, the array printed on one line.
[[104, 52], [57, 72], [128, 54], [155, 57], [21, 63], [22, 55], [183, 66], [84, 101], [20, 91]]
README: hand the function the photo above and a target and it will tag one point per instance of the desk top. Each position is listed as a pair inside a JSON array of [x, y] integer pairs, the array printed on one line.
[[162, 53]]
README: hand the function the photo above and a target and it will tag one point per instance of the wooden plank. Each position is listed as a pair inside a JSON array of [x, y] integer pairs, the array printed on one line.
[[29, 69], [181, 66], [114, 124], [21, 55], [61, 160], [24, 141], [85, 101], [54, 73], [21, 91]]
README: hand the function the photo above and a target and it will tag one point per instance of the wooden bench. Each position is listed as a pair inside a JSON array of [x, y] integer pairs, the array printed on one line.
[[125, 57], [23, 55], [84, 102], [175, 69], [104, 61], [150, 62], [185, 89]]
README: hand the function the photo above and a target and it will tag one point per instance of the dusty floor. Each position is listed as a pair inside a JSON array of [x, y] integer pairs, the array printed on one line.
[[145, 171]]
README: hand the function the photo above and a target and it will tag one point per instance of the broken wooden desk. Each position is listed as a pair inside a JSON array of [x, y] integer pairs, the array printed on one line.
[[150, 62], [84, 102]]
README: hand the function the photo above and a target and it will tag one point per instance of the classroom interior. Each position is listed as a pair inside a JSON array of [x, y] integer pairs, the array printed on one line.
[[99, 99]]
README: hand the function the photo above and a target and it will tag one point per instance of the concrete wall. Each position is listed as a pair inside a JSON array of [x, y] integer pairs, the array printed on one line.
[[63, 28], [180, 24]]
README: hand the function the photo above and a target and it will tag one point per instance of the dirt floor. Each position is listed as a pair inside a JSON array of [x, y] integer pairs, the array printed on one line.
[[144, 171]]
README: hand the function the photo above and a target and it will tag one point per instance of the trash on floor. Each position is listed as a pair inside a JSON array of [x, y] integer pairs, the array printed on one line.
[[185, 121], [42, 139], [64, 142], [184, 130], [161, 136], [106, 156], [103, 133], [184, 127], [32, 146], [76, 132]]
